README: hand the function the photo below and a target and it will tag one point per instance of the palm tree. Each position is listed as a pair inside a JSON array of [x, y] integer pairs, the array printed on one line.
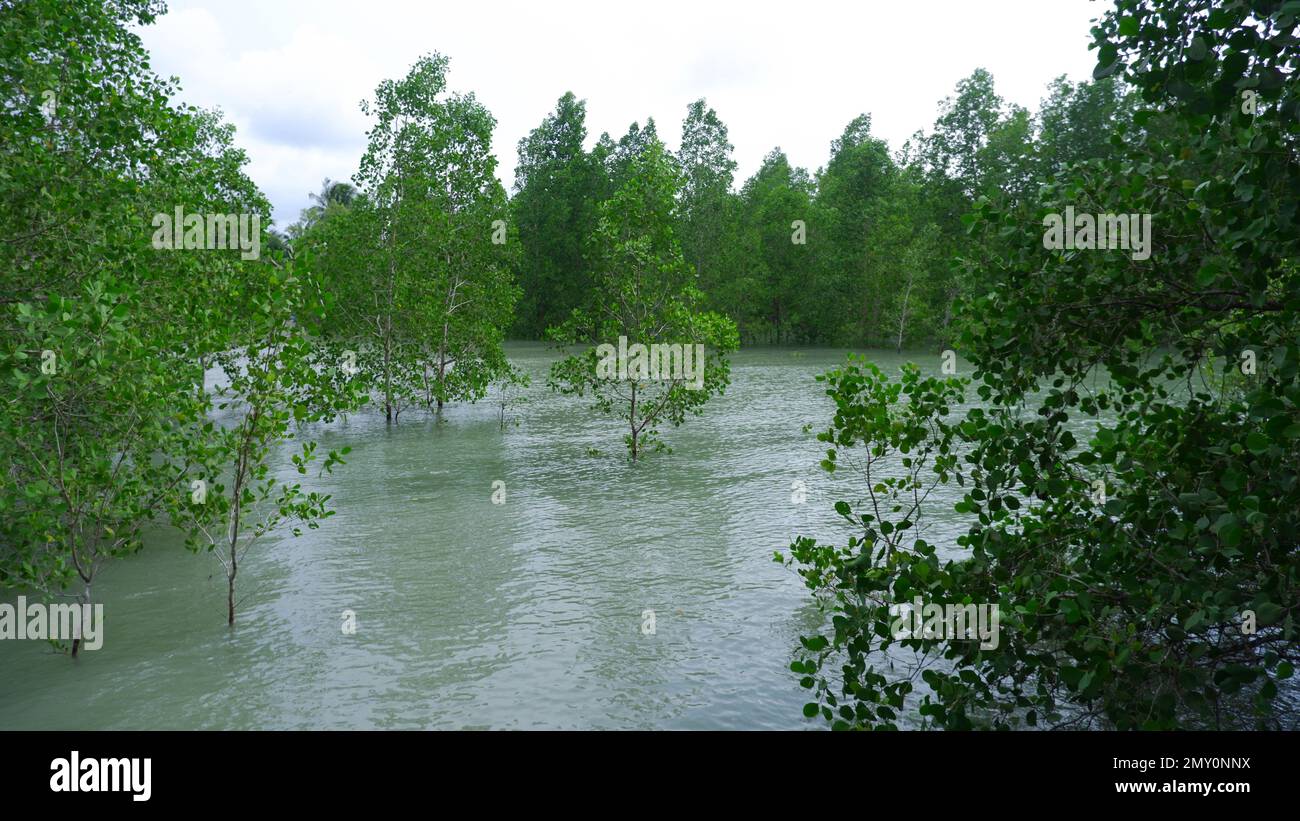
[[332, 195]]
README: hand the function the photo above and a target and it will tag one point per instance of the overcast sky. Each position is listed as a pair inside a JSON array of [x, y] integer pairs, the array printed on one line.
[[290, 74]]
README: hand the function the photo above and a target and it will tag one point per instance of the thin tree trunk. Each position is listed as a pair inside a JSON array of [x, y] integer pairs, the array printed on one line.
[[902, 315], [85, 599], [442, 367], [241, 470], [632, 422]]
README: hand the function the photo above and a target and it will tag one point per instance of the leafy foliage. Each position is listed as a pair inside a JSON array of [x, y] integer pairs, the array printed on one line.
[[646, 293], [107, 419], [423, 288], [1130, 486]]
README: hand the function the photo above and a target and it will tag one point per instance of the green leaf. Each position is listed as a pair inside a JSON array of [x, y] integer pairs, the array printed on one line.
[[1268, 613], [1257, 442]]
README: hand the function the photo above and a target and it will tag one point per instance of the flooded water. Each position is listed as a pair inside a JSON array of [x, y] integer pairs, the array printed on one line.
[[527, 614]]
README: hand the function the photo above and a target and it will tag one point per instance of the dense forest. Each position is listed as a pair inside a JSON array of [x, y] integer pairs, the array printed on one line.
[[1147, 572], [859, 252]]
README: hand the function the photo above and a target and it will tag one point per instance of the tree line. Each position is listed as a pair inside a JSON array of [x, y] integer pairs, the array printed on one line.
[[858, 252]]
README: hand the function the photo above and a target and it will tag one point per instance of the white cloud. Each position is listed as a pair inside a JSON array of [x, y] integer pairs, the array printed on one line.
[[290, 74]]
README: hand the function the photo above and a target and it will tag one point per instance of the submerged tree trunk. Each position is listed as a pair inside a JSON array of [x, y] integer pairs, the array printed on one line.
[[236, 513], [632, 422], [230, 592], [76, 640]]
